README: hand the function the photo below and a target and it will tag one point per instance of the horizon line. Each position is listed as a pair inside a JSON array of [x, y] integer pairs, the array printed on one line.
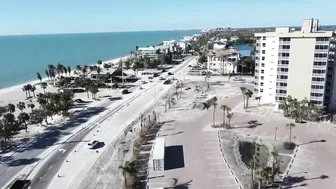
[[69, 33]]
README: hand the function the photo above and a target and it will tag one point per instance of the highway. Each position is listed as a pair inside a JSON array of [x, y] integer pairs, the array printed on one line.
[[54, 161]]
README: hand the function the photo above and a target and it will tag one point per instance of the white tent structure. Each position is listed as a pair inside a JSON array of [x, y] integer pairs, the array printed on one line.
[[158, 154]]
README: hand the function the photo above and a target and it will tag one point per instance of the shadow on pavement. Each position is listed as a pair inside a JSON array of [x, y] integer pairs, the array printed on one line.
[[19, 162], [115, 98], [54, 133], [313, 141], [184, 185], [99, 145], [172, 134], [291, 181], [174, 157]]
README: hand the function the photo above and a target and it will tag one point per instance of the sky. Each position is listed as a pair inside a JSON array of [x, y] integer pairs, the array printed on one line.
[[86, 16]]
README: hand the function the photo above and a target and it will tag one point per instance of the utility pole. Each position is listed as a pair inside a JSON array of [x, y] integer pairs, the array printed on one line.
[[275, 133]]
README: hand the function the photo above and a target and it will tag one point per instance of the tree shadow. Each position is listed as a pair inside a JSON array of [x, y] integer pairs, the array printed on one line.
[[55, 132], [175, 184], [19, 162], [250, 124], [173, 134], [174, 157], [291, 181], [313, 141]]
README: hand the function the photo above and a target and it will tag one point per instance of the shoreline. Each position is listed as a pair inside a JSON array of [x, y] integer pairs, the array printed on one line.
[[19, 86]]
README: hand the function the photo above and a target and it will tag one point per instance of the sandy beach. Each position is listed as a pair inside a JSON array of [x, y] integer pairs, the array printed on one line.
[[14, 95]]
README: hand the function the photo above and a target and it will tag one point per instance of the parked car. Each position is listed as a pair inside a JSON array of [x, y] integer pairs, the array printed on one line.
[[93, 144], [169, 73], [125, 91], [143, 82], [299, 120], [167, 82], [161, 78], [78, 100]]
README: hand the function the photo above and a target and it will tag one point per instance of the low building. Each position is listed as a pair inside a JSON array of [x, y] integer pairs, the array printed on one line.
[[187, 38], [128, 75], [218, 45], [147, 51], [168, 43], [223, 61], [234, 38], [163, 48]]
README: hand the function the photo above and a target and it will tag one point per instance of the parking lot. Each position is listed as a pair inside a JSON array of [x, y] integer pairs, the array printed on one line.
[[313, 162]]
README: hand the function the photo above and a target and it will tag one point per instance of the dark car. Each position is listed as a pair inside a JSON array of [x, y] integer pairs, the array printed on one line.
[[298, 120], [167, 82], [169, 73], [161, 78], [78, 100], [125, 91]]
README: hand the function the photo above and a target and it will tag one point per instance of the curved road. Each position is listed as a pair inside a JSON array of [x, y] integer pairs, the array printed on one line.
[[54, 162]]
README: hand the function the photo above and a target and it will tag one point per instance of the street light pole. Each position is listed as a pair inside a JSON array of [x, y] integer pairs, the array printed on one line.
[[275, 132]]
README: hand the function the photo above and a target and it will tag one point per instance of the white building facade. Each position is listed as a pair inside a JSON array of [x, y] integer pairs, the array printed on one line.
[[218, 45], [223, 61], [296, 63], [147, 51]]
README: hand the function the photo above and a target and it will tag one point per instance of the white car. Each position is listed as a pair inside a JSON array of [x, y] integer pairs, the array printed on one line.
[[93, 143]]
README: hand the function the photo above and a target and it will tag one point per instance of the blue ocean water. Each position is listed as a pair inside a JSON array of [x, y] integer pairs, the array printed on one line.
[[21, 57], [245, 50]]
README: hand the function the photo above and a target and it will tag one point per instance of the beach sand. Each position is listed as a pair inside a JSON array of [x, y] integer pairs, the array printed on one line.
[[15, 95]]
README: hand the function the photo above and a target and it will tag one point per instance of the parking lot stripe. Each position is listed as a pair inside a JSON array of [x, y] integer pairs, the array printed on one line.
[[213, 157], [215, 170]]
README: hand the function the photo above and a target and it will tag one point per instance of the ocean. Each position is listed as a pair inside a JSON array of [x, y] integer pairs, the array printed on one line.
[[21, 57]]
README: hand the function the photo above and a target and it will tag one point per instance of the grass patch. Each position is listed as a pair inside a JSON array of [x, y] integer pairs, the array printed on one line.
[[248, 149]]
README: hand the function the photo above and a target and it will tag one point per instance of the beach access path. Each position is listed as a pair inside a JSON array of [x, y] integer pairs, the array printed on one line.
[[64, 147]]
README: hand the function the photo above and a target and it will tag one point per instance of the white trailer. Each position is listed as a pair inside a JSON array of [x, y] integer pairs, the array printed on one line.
[[158, 154]]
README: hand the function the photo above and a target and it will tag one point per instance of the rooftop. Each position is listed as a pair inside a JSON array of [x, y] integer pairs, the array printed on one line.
[[159, 148], [221, 53], [150, 48]]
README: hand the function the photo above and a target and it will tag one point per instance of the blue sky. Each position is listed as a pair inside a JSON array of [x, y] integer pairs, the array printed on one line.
[[82, 16]]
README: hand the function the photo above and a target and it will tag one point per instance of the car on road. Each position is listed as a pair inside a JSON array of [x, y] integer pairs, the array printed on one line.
[[238, 79], [92, 144], [298, 120], [161, 78], [167, 82], [144, 82], [169, 73], [125, 91], [78, 100]]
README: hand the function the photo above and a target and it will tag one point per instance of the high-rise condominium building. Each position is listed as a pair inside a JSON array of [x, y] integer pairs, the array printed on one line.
[[297, 63]]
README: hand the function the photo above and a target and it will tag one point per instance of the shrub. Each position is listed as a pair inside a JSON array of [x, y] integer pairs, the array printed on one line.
[[289, 145]]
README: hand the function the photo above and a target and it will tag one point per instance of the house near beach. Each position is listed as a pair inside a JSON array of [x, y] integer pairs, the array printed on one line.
[[218, 45], [223, 61], [149, 51], [105, 73]]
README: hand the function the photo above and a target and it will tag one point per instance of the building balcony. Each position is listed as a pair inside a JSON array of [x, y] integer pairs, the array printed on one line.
[[258, 48], [284, 42], [318, 82], [283, 57], [281, 87], [322, 42], [324, 59], [282, 80], [316, 98], [280, 94], [282, 65], [258, 40], [320, 67], [317, 90], [319, 75], [282, 73], [284, 50]]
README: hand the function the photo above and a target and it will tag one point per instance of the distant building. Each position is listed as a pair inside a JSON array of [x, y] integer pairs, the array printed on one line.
[[296, 63], [147, 51], [168, 43], [187, 38], [218, 45], [234, 38], [223, 61]]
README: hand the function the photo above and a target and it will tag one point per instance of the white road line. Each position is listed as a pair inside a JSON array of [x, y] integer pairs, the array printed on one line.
[[253, 132], [226, 185], [308, 125], [264, 134], [213, 157], [297, 139], [329, 128], [286, 138], [215, 170]]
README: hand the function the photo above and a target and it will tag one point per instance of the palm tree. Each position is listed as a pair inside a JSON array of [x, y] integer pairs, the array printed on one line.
[[258, 98], [93, 88], [37, 116], [69, 70], [24, 89], [253, 164], [214, 113], [243, 65], [33, 89], [65, 70], [31, 106], [275, 170], [47, 74], [43, 85], [261, 175], [99, 62], [128, 169], [290, 126], [84, 70], [243, 90], [39, 76], [11, 108], [229, 116], [28, 88], [23, 118], [224, 107], [79, 68], [59, 69], [21, 106], [248, 96]]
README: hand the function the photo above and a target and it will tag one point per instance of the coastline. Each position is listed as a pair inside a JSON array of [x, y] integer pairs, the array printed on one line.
[[19, 86]]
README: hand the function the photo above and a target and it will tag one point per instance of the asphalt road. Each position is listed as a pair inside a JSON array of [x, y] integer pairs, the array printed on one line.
[[28, 155], [9, 167]]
